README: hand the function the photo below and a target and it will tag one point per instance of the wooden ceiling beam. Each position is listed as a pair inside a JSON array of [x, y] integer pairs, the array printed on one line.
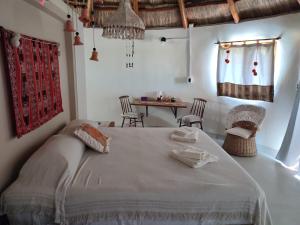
[[233, 10], [135, 6], [183, 13], [299, 1]]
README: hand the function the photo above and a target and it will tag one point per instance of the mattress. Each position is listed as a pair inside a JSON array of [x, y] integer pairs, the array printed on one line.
[[138, 183]]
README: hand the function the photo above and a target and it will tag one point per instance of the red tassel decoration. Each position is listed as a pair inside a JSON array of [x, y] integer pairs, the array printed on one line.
[[227, 61], [254, 71]]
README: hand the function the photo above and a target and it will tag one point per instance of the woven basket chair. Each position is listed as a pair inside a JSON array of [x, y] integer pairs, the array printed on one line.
[[248, 117]]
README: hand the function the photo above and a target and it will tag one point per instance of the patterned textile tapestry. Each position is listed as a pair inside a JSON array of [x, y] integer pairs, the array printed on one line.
[[33, 72], [246, 71]]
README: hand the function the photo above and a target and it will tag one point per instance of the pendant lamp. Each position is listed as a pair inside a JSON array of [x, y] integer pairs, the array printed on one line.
[[69, 27], [94, 56], [124, 23], [77, 40], [85, 13], [84, 18]]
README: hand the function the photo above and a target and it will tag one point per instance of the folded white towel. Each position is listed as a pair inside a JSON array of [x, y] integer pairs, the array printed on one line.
[[193, 162], [190, 138], [194, 154], [183, 131]]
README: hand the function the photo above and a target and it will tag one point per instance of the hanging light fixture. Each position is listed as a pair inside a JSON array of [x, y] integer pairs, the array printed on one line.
[[69, 27], [85, 13], [124, 23], [84, 18], [77, 40], [94, 56]]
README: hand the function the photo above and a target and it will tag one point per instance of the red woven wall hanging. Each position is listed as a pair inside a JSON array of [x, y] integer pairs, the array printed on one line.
[[33, 73]]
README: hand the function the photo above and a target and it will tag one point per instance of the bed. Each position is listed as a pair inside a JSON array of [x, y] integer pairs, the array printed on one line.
[[137, 183]]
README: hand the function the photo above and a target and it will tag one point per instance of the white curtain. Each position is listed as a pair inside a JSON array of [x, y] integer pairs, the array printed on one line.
[[239, 70], [236, 79], [289, 152]]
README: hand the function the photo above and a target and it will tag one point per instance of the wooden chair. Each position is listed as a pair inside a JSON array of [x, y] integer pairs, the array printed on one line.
[[196, 114], [129, 114]]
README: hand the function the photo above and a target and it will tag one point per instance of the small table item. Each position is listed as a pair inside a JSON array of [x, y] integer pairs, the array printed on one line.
[[172, 105]]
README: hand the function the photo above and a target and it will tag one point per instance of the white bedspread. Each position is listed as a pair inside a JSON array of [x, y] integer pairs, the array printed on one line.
[[137, 183], [38, 195]]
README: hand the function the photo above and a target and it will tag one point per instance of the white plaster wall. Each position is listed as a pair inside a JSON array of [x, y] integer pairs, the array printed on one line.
[[164, 67], [33, 20], [79, 72]]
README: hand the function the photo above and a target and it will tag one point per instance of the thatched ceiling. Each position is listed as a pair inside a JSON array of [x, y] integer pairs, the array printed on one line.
[[168, 13]]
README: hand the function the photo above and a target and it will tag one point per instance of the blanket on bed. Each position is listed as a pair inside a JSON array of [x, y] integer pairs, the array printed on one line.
[[137, 183]]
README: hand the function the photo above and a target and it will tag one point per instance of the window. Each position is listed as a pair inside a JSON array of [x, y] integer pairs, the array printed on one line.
[[246, 70]]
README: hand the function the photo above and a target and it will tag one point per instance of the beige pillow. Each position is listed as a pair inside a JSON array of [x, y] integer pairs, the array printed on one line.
[[93, 138], [241, 132]]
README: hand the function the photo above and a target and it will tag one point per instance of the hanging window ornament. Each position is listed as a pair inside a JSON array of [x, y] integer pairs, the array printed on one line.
[[129, 48], [227, 47], [69, 27], [255, 63], [77, 40]]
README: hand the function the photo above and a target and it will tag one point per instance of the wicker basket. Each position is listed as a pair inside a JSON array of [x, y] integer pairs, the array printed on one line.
[[238, 146]]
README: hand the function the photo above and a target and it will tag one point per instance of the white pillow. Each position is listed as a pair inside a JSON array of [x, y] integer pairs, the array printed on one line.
[[241, 132], [93, 138], [75, 124]]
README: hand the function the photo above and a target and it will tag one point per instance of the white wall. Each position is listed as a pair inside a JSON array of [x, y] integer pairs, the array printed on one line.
[[20, 16], [79, 72], [164, 67]]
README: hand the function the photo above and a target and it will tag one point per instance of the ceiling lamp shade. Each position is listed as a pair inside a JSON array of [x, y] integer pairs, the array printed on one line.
[[69, 27], [94, 56], [85, 16], [124, 23], [77, 40]]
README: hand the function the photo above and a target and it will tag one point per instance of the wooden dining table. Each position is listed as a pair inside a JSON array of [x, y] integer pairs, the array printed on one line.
[[172, 105]]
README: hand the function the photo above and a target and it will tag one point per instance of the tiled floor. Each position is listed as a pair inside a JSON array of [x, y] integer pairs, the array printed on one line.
[[281, 186]]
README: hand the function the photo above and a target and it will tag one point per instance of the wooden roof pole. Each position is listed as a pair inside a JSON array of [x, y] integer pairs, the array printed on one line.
[[233, 10], [89, 6], [135, 6], [183, 14]]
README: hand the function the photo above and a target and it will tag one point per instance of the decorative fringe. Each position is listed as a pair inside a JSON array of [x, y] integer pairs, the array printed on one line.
[[45, 211], [123, 33], [229, 217]]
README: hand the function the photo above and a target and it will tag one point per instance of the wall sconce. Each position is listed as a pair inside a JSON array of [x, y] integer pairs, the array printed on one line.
[[163, 39], [189, 80]]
